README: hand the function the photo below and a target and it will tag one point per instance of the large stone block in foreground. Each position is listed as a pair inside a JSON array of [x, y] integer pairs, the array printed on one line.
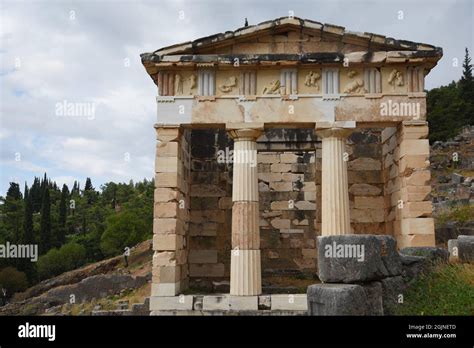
[[466, 248], [357, 258], [336, 299], [392, 294], [432, 254], [453, 250], [413, 267], [374, 293]]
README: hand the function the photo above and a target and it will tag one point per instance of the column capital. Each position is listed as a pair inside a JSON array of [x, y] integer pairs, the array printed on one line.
[[244, 131], [334, 132], [335, 124], [168, 132], [414, 123], [245, 134]]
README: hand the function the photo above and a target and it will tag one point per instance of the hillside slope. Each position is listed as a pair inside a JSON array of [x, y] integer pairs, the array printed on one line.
[[103, 285]]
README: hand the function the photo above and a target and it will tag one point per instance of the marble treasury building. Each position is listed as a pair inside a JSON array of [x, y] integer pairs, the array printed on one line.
[[274, 134]]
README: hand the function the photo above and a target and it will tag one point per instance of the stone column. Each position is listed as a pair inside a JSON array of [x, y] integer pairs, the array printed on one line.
[[245, 269], [335, 215]]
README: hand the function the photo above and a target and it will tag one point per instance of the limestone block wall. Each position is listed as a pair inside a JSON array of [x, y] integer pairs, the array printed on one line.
[[288, 211], [366, 182], [407, 190], [289, 173], [390, 159], [171, 212], [290, 198], [211, 207]]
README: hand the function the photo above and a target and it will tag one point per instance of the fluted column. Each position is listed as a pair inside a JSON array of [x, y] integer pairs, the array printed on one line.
[[335, 215], [245, 269]]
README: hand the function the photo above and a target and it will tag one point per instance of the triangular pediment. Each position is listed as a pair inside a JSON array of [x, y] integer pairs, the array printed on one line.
[[290, 36]]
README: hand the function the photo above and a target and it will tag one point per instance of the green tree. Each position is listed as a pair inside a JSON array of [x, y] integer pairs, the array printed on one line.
[[125, 229], [75, 188], [36, 195], [73, 254], [45, 223], [28, 235], [101, 223], [445, 110], [13, 212], [54, 262], [451, 107], [466, 85], [467, 67], [61, 237], [28, 227], [12, 280], [50, 264], [89, 192], [88, 186]]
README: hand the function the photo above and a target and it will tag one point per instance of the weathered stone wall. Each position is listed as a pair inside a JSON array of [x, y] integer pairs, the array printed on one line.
[[211, 208], [407, 190], [171, 212], [288, 210], [366, 182], [289, 167]]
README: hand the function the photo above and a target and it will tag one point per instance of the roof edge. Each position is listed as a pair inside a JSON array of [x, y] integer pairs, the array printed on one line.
[[189, 47]]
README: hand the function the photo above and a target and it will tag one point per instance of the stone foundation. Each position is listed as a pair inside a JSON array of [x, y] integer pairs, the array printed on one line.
[[224, 304]]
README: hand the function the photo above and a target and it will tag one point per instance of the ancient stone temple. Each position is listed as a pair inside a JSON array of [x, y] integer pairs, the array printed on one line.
[[274, 134]]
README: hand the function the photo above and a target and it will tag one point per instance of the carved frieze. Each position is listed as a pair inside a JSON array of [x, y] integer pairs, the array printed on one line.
[[355, 85], [185, 85], [228, 84], [328, 81], [272, 88], [396, 78], [311, 80]]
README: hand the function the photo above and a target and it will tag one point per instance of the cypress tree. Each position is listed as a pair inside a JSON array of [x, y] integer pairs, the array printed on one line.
[[89, 191], [36, 195], [13, 210], [28, 231], [45, 223], [466, 86], [28, 235], [61, 237], [114, 197], [467, 67], [88, 186]]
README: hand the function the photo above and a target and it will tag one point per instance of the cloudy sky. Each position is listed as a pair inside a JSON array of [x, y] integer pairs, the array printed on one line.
[[87, 52]]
